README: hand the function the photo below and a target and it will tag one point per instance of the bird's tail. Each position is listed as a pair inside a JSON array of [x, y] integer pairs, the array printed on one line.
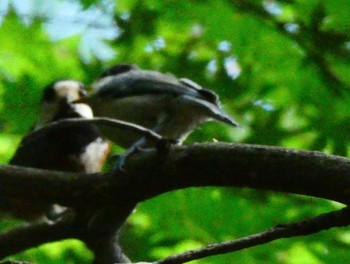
[[211, 110], [225, 118]]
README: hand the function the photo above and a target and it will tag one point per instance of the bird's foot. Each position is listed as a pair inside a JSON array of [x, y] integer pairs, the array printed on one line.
[[121, 158], [162, 146], [119, 164]]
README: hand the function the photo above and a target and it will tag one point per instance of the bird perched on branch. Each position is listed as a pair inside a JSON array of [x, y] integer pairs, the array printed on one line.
[[77, 148], [170, 106]]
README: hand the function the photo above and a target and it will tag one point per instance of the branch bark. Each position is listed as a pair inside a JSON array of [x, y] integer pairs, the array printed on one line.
[[325, 221], [148, 174], [238, 165], [203, 164]]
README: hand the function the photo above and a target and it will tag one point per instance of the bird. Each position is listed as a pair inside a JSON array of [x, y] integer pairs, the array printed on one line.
[[79, 148], [172, 107]]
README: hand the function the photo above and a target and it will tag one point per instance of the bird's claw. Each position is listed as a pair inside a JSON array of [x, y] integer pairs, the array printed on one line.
[[162, 147], [121, 158]]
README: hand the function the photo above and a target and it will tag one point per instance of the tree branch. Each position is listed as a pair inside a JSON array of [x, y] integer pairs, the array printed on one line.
[[322, 222], [101, 123], [103, 231], [238, 165], [27, 236], [52, 186], [196, 165], [202, 164]]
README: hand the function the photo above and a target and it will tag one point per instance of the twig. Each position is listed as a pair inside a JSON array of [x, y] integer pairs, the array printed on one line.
[[99, 122], [322, 222]]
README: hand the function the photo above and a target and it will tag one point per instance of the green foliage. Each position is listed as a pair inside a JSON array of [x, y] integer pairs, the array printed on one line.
[[69, 252], [280, 68]]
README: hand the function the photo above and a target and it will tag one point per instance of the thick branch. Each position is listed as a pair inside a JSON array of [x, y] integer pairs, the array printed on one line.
[[325, 221], [149, 174], [102, 233], [207, 164], [51, 186], [239, 165]]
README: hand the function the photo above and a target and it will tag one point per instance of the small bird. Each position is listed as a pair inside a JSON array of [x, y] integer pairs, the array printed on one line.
[[167, 105], [78, 148]]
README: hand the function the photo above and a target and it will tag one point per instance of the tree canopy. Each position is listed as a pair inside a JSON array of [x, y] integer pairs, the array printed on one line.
[[279, 67]]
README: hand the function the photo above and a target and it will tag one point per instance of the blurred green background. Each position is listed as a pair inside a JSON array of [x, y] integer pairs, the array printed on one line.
[[281, 69]]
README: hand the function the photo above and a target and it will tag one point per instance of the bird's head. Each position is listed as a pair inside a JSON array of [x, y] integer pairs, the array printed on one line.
[[57, 101], [66, 91]]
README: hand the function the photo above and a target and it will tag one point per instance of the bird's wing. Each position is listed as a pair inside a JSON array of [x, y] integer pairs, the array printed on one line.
[[141, 82]]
